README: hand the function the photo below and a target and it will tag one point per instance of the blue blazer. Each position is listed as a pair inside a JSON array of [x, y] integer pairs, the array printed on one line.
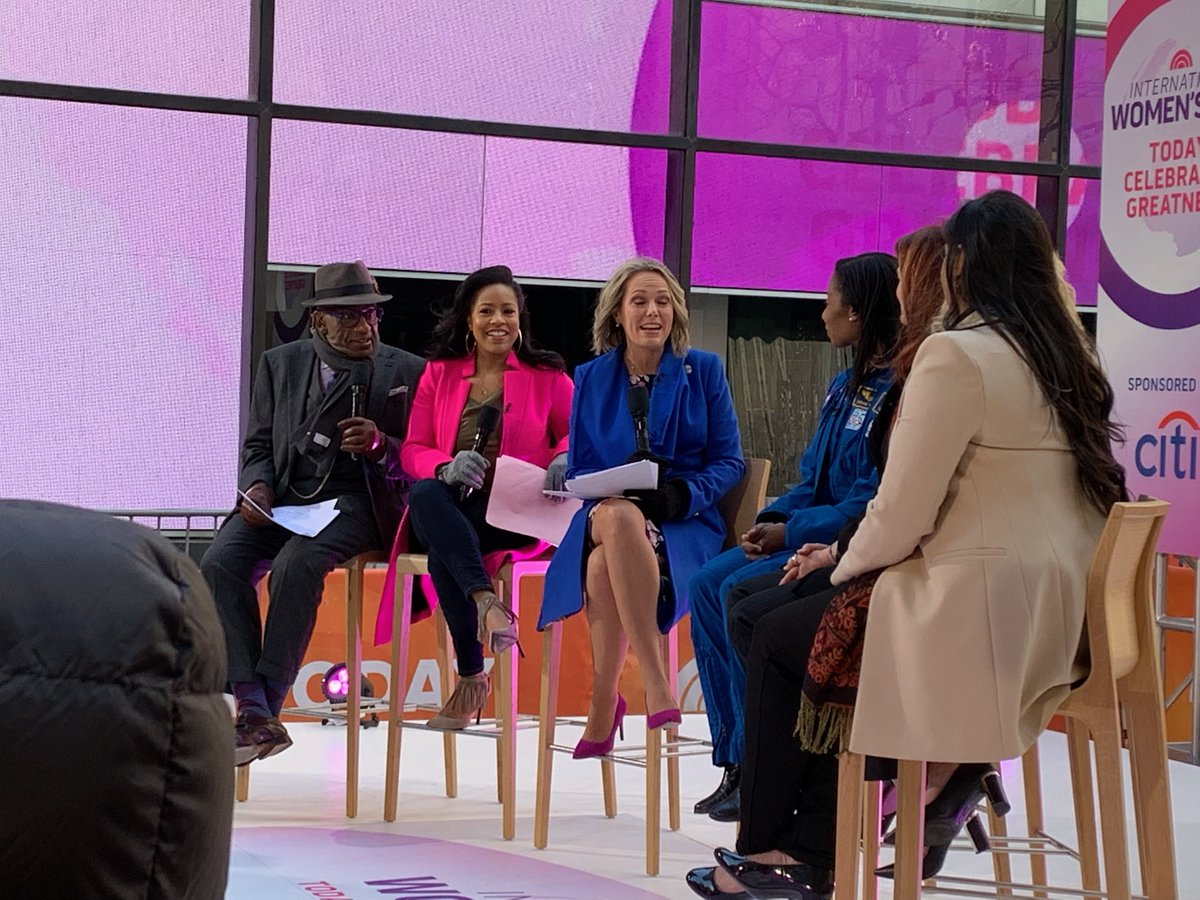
[[691, 423], [838, 477]]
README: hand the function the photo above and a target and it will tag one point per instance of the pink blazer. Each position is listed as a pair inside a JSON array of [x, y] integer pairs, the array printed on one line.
[[534, 426]]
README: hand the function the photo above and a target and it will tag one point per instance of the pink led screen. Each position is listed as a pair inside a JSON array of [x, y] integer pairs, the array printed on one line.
[[835, 80], [569, 63], [424, 201], [770, 74], [1083, 242], [1087, 104], [121, 256], [781, 223], [393, 198], [142, 45]]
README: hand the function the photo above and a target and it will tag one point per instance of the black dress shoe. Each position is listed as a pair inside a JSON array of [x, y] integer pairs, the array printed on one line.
[[729, 809], [257, 736], [761, 880], [729, 783], [702, 882]]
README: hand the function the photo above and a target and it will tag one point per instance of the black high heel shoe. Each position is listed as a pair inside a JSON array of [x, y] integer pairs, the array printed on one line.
[[703, 882], [935, 854], [993, 789], [953, 808], [798, 881]]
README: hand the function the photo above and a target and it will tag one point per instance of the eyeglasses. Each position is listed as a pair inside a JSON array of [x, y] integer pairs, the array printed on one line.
[[350, 317]]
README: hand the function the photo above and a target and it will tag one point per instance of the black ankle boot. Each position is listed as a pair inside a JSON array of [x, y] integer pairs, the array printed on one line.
[[729, 809], [729, 783]]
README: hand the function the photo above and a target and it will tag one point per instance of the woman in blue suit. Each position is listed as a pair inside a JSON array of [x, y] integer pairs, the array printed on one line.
[[632, 558]]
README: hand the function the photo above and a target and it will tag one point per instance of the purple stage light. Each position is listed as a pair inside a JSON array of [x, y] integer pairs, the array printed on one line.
[[336, 683]]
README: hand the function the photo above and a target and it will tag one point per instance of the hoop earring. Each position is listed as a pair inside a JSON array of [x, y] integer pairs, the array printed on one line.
[[469, 343], [517, 342]]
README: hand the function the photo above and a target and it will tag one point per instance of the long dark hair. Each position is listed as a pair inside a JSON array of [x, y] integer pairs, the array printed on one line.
[[450, 333], [868, 282], [1000, 264]]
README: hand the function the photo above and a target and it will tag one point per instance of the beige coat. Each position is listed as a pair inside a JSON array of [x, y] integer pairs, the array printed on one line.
[[975, 628]]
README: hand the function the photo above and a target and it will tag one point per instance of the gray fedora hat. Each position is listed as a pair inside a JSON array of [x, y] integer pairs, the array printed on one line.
[[345, 284]]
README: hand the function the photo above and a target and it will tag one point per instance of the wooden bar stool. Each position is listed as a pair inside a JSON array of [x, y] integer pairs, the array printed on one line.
[[502, 729], [1124, 679], [739, 508], [649, 755], [354, 568]]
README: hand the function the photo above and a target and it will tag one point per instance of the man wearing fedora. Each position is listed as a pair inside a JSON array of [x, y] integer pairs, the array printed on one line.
[[306, 442]]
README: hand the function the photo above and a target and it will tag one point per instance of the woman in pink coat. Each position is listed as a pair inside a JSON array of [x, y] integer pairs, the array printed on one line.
[[485, 369]]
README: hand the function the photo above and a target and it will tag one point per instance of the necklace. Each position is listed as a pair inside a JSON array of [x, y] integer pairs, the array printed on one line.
[[484, 384], [636, 371]]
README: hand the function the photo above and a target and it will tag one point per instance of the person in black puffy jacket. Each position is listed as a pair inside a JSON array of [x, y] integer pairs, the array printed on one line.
[[115, 742]]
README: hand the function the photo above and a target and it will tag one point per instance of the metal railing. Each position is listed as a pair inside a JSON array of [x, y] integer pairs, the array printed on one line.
[[182, 527], [1184, 751]]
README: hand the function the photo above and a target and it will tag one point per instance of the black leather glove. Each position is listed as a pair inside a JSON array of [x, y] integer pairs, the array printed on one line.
[[663, 464], [669, 502]]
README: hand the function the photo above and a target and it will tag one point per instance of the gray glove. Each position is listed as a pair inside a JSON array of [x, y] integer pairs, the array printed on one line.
[[467, 469], [556, 474]]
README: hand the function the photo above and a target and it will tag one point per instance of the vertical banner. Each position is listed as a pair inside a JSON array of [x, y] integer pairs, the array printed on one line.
[[1149, 299]]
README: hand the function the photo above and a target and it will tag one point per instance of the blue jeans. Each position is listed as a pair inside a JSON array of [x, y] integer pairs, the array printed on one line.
[[722, 677], [456, 536]]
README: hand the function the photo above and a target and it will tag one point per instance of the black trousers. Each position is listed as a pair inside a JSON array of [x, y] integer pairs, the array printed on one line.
[[752, 599], [239, 557], [789, 796], [456, 535]]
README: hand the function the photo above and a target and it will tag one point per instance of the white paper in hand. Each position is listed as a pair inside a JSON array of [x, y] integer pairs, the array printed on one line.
[[635, 476], [308, 521], [518, 504]]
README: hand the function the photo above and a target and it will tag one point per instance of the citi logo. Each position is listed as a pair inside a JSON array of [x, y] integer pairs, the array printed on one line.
[[1169, 452]]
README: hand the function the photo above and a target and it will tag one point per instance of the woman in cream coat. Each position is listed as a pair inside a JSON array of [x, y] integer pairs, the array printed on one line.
[[999, 477]]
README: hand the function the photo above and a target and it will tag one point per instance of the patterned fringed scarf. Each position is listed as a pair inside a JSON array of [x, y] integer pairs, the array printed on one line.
[[831, 680]]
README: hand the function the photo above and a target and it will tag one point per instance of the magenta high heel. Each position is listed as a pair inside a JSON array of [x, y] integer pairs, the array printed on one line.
[[670, 716], [586, 749]]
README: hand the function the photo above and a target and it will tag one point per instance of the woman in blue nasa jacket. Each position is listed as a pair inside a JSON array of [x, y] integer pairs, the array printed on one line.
[[632, 558], [837, 480]]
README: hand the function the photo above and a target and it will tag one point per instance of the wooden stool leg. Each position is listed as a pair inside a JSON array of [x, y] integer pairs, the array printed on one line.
[[397, 691], [850, 824], [672, 656], [1001, 862], [1144, 721], [910, 829], [505, 667], [1085, 805], [1031, 776], [506, 749], [354, 592], [871, 826], [449, 745], [608, 783], [653, 798], [242, 783], [547, 722], [1111, 791]]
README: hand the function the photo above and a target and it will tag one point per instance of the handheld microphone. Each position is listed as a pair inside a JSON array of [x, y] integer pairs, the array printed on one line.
[[638, 399], [489, 418], [360, 378]]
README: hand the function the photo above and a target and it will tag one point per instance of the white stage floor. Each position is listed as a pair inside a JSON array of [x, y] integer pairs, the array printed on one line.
[[291, 838]]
